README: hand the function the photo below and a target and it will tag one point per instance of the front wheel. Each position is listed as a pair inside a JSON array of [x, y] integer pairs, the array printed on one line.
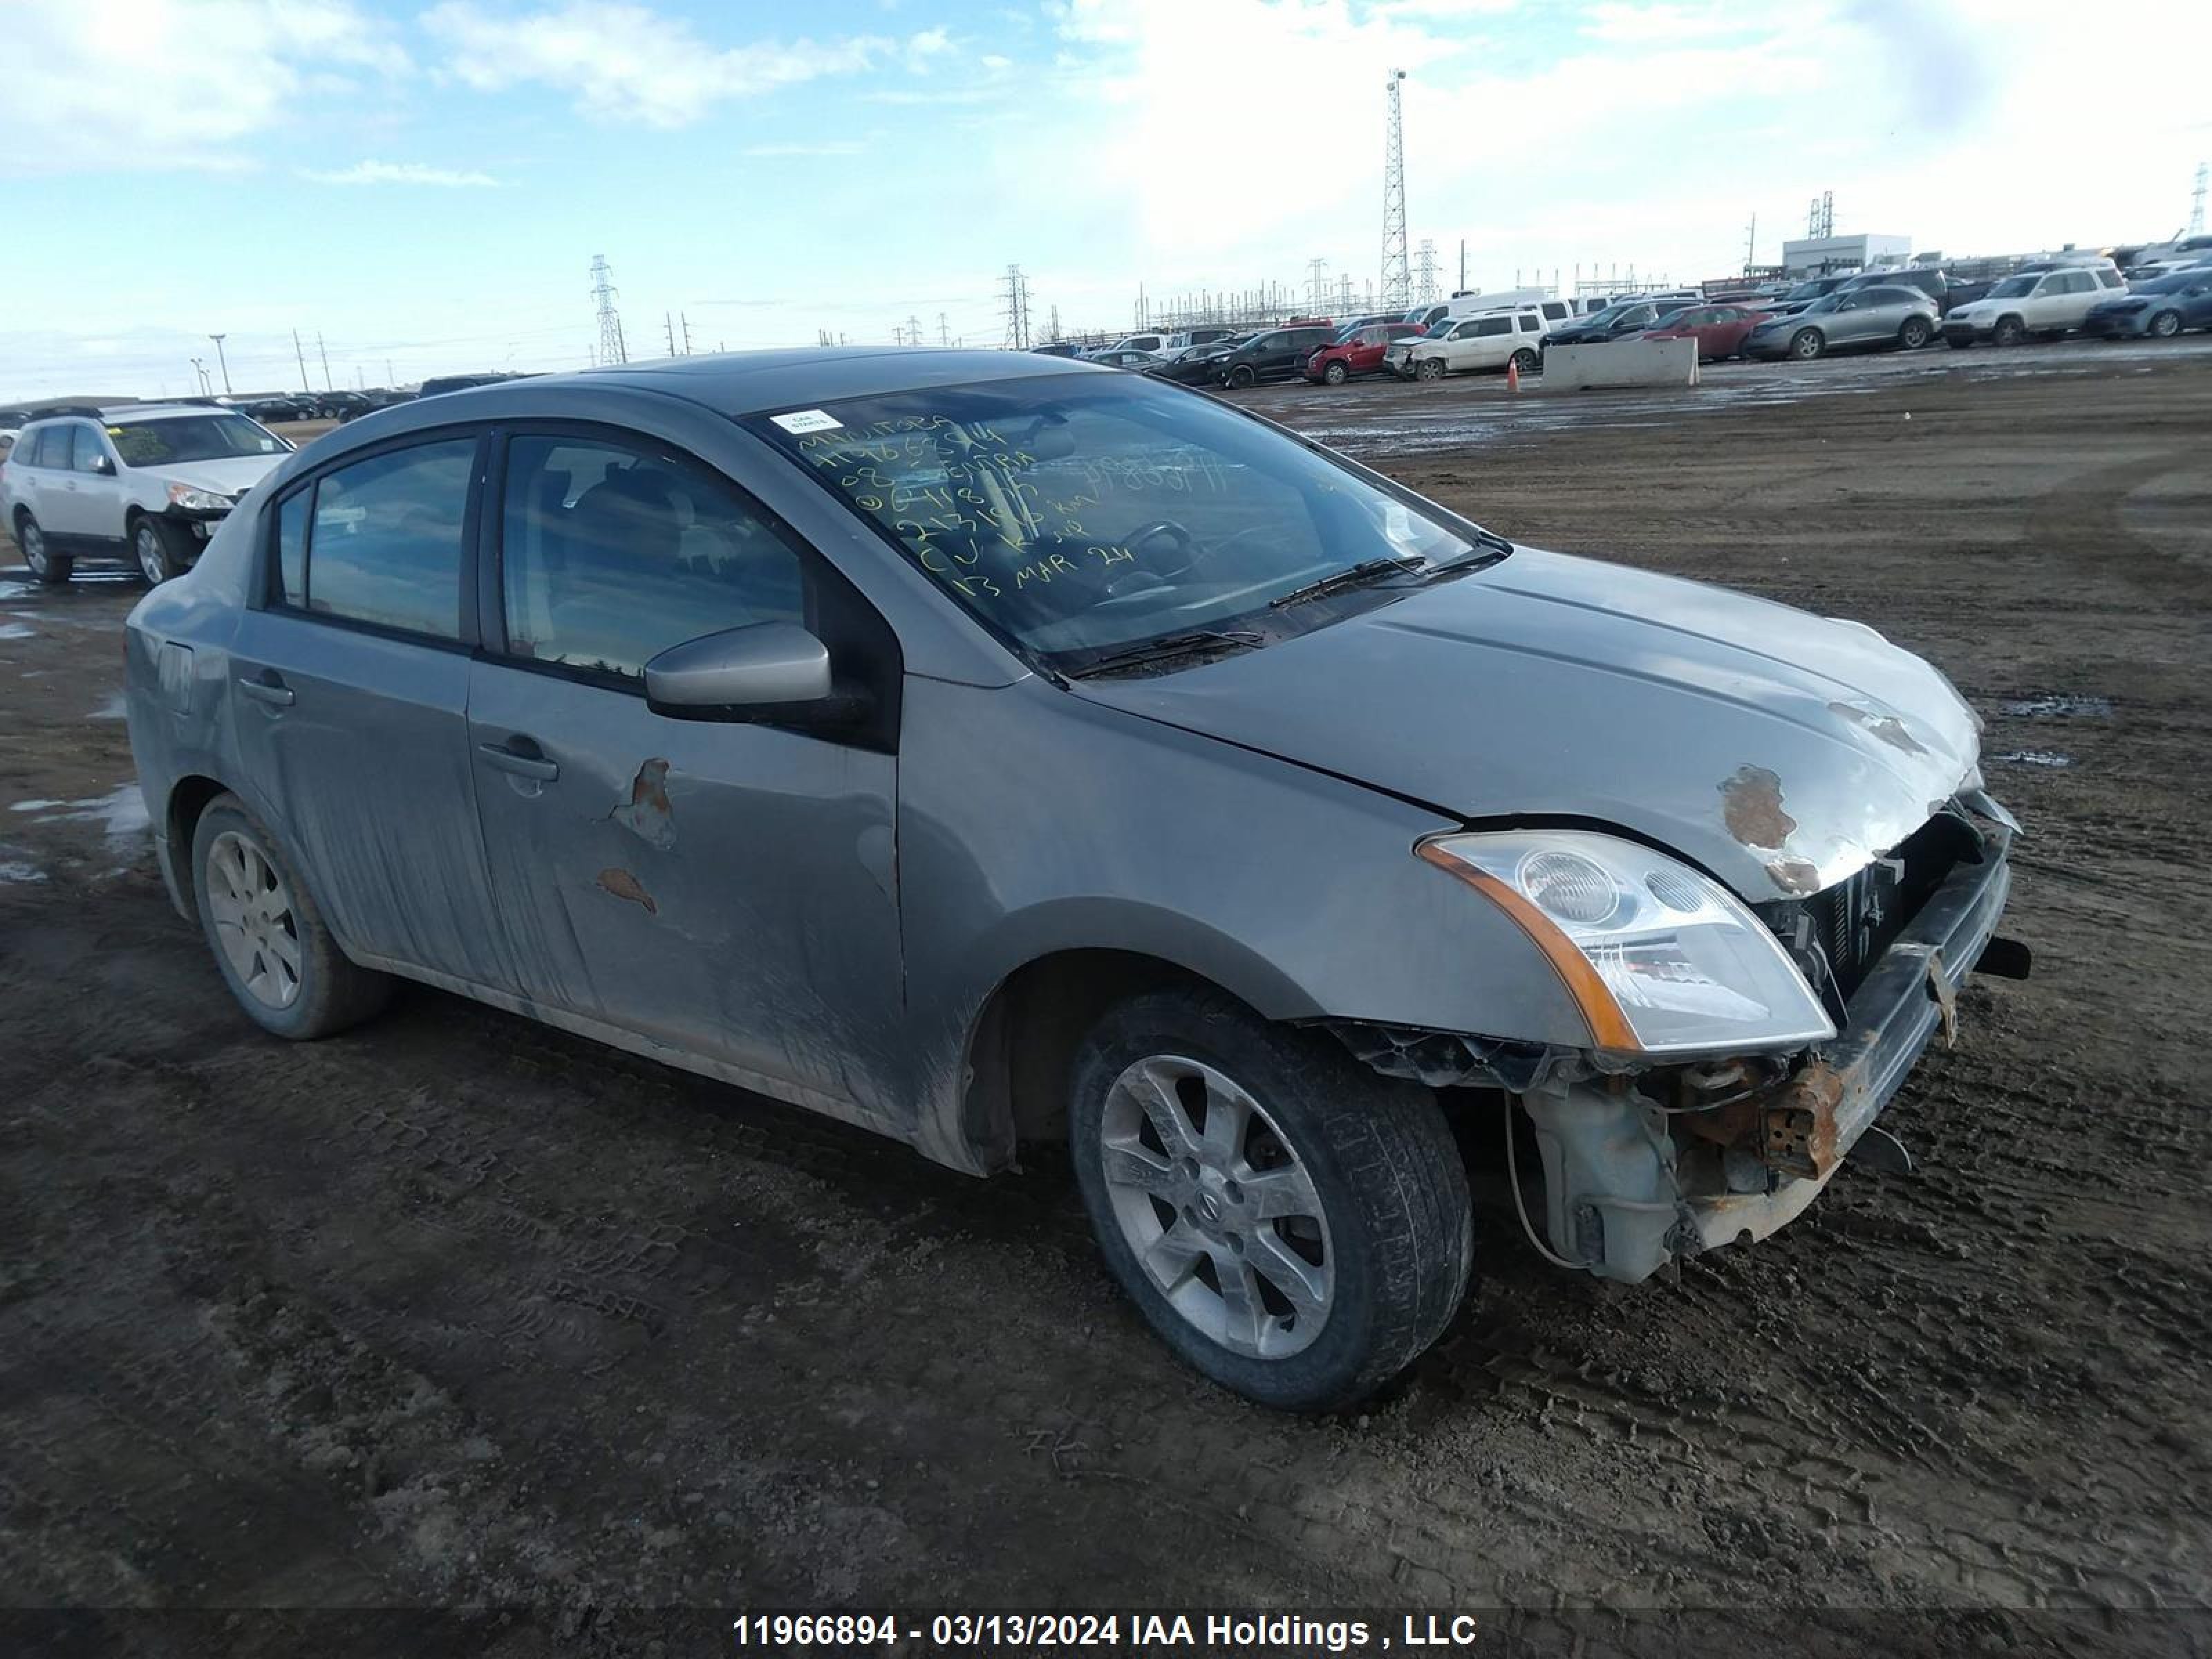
[[1430, 369], [1334, 373], [2009, 332], [156, 546], [1241, 376], [45, 564], [1291, 1225], [1914, 333], [267, 936], [2164, 325], [1807, 344]]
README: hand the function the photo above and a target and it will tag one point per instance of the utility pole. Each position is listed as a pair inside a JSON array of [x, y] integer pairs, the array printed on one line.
[[944, 331], [199, 372], [390, 379], [302, 362], [603, 291], [1462, 264], [686, 321], [1317, 271], [2196, 204], [222, 361], [913, 329], [1018, 309], [668, 322], [325, 353], [1397, 279], [1055, 322]]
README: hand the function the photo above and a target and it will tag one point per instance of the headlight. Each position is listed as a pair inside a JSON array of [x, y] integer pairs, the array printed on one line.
[[1661, 959], [198, 500]]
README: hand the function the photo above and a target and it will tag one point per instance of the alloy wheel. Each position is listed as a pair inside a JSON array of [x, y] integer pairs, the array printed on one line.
[[1218, 1206], [31, 541], [253, 919], [153, 559]]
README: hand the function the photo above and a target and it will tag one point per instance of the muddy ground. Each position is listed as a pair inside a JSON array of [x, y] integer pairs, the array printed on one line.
[[456, 1309]]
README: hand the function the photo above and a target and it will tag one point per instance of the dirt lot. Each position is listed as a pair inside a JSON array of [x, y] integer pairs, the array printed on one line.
[[457, 1310]]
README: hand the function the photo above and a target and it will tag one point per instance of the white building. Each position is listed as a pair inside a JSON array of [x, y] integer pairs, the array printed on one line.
[[1814, 256]]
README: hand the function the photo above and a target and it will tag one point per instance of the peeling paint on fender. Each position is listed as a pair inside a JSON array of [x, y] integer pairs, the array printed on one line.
[[1890, 728], [1751, 805], [647, 814], [624, 886]]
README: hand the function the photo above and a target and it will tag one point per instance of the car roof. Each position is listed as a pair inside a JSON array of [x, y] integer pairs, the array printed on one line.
[[120, 411], [753, 382]]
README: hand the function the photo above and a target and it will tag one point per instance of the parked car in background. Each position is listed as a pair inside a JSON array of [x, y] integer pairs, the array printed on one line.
[[147, 483], [1276, 355], [634, 702], [1058, 349], [1858, 317], [1816, 288], [286, 407], [1719, 330], [439, 384], [2161, 309], [341, 406], [1193, 340], [1928, 279], [1200, 365], [1470, 344], [1355, 351], [2051, 301], [1622, 318], [1150, 343], [1127, 357]]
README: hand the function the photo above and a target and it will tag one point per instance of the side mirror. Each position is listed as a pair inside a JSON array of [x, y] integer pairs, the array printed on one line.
[[103, 464], [767, 669]]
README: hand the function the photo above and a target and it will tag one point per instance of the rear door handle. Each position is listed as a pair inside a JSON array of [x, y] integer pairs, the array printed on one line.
[[269, 689], [522, 764]]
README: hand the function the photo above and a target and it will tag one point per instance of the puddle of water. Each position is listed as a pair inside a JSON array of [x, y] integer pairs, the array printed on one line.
[[15, 630], [113, 709], [2059, 705], [34, 805], [12, 592], [15, 870], [2034, 758]]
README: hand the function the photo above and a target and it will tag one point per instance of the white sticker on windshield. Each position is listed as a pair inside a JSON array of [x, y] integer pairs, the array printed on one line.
[[808, 420]]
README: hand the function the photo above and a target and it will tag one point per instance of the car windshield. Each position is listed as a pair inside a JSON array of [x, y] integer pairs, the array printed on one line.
[[179, 438], [2012, 287], [1077, 516], [1672, 318]]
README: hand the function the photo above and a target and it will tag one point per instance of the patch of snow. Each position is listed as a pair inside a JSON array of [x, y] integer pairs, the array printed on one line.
[[16, 631], [34, 805], [113, 709], [15, 870]]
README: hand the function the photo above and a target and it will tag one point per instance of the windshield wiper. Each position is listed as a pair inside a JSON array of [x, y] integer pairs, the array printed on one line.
[[1357, 576], [1197, 642]]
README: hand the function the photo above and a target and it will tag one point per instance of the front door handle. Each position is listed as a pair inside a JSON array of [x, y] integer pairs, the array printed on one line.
[[269, 689], [522, 763]]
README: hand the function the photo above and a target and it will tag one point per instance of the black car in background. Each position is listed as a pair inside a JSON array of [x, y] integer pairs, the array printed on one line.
[[287, 408], [1629, 317], [442, 383], [1199, 367], [1275, 354], [341, 406]]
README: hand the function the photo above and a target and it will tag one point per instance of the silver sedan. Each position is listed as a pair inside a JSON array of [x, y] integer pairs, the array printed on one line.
[[1901, 316]]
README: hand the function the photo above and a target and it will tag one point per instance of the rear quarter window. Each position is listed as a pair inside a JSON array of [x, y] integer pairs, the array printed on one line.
[[385, 538]]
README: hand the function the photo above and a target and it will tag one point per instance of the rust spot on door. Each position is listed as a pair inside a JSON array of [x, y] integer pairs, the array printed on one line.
[[624, 886], [1751, 805], [647, 814]]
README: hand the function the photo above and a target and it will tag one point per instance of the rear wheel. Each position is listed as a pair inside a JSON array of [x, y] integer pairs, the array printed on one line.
[[45, 564], [1807, 344], [1525, 360], [269, 939], [159, 548], [1914, 333], [2164, 325], [1334, 372], [1430, 369], [1291, 1225], [2009, 332]]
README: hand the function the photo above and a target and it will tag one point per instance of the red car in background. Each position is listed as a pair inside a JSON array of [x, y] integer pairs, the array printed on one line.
[[1357, 351], [1719, 330]]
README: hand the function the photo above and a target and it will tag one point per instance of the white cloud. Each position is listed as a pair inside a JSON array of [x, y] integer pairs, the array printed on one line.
[[625, 63], [164, 83], [399, 173]]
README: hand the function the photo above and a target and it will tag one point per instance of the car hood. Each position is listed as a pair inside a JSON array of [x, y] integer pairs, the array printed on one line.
[[1780, 751], [232, 476]]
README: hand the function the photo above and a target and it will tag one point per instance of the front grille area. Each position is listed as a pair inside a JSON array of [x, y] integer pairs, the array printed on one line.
[[1839, 934]]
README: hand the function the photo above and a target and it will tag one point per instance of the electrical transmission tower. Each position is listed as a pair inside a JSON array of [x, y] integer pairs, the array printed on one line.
[[1317, 286], [603, 290], [1018, 309], [2196, 204], [1820, 218], [1424, 273], [1397, 279]]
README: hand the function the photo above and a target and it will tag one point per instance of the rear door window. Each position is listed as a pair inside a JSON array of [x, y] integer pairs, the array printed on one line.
[[1490, 325], [51, 447], [386, 539], [85, 449]]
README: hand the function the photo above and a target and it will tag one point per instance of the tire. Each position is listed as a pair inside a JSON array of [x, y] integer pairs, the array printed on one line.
[[1241, 376], [45, 564], [2009, 332], [1429, 368], [1807, 343], [2164, 325], [158, 547], [1376, 1230], [1333, 373], [1914, 333], [305, 990], [1527, 360]]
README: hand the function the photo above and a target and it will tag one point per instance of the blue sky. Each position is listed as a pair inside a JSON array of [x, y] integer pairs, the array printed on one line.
[[425, 184]]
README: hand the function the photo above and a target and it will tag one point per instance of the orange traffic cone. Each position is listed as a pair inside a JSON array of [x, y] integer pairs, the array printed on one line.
[[1512, 375]]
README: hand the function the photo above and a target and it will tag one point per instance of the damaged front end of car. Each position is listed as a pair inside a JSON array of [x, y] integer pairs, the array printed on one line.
[[1662, 1140]]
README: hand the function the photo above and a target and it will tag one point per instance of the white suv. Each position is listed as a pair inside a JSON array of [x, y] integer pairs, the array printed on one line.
[[2034, 302], [1485, 342], [147, 482]]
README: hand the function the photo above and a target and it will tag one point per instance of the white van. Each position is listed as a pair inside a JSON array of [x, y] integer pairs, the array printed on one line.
[[1487, 340], [1431, 317]]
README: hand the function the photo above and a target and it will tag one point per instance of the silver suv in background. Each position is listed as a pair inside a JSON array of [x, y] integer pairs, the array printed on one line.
[[143, 481]]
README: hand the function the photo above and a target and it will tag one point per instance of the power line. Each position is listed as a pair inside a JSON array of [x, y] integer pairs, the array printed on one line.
[[603, 291], [1397, 279]]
